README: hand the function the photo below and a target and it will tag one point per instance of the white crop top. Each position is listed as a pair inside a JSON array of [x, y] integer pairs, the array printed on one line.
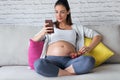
[[66, 35]]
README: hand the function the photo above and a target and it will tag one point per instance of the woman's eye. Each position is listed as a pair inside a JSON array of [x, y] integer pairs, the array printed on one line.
[[56, 12], [62, 12]]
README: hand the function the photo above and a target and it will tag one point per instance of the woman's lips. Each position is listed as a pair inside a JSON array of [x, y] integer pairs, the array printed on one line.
[[59, 18]]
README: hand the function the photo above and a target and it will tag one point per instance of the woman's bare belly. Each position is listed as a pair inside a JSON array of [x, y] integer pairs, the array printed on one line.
[[60, 48]]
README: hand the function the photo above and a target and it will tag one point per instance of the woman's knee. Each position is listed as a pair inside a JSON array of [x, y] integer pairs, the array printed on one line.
[[85, 66], [45, 68], [90, 61], [39, 65]]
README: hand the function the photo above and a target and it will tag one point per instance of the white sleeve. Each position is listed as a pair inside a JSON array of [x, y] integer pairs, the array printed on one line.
[[90, 33]]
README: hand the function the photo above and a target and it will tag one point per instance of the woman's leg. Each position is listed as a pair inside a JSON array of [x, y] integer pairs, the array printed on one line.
[[48, 69], [70, 69], [64, 73], [80, 65], [45, 68]]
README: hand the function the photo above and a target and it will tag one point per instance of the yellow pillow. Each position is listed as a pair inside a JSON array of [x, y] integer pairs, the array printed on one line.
[[101, 53]]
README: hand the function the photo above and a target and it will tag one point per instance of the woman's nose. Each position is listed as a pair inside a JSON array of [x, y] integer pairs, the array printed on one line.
[[59, 14]]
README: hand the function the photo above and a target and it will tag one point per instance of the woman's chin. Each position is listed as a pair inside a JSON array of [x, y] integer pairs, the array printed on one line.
[[59, 20]]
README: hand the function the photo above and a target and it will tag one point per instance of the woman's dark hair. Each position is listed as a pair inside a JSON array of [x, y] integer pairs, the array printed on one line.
[[66, 5]]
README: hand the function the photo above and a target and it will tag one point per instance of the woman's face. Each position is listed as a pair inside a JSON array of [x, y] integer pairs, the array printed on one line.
[[61, 13]]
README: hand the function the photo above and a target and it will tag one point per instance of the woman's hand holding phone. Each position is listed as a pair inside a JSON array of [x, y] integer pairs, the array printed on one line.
[[49, 26]]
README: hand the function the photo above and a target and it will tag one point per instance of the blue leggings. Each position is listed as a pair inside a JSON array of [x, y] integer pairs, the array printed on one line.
[[50, 65]]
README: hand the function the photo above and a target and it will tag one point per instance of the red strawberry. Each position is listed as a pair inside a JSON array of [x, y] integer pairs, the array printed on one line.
[[73, 55]]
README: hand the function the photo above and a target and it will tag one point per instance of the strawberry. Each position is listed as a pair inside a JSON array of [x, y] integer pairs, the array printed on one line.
[[73, 55]]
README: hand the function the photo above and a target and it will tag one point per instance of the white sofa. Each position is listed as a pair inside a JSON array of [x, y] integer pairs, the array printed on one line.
[[14, 42]]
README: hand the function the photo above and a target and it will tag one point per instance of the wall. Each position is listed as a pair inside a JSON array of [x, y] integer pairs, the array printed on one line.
[[34, 12]]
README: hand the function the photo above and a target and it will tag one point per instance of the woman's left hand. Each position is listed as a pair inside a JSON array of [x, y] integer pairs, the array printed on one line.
[[83, 50]]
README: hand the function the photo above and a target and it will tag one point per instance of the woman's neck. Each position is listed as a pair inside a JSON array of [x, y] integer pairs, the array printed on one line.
[[64, 25]]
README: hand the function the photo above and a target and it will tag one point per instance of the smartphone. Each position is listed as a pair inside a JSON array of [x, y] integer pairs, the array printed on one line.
[[50, 24]]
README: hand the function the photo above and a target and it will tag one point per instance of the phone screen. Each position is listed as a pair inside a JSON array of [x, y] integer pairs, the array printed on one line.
[[50, 23]]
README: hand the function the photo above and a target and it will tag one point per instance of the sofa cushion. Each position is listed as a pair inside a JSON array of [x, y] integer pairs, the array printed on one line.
[[101, 53], [34, 52], [14, 41], [111, 38], [105, 72]]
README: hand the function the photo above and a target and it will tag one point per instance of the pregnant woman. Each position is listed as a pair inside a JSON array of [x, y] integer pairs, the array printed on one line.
[[67, 39]]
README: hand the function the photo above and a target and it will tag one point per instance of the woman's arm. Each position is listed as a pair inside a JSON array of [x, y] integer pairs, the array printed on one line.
[[41, 35], [95, 41]]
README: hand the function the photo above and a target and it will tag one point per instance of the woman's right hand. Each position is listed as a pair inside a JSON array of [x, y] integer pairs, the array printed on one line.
[[46, 30]]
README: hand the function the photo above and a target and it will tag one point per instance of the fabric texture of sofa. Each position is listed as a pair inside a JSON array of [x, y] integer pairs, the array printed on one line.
[[14, 43]]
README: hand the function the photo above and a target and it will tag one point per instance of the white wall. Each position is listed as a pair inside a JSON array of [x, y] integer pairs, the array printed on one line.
[[34, 12]]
